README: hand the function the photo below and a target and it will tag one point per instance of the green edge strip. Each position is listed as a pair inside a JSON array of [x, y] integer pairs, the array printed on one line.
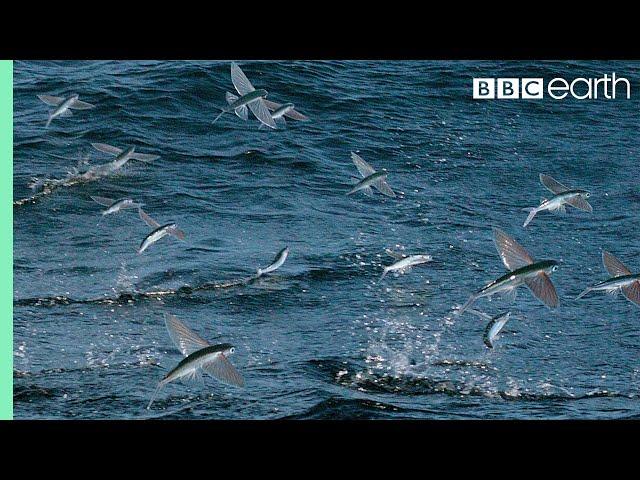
[[6, 239]]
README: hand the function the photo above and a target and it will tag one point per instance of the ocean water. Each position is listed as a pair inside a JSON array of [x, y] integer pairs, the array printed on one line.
[[321, 337]]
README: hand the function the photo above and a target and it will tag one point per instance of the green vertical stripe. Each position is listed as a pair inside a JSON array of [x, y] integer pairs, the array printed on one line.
[[6, 239]]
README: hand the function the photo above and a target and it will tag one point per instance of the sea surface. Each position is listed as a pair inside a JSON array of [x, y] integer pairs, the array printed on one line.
[[322, 337]]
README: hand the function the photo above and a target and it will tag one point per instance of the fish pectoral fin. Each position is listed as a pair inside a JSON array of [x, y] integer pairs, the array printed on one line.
[[552, 184], [367, 191], [144, 157], [243, 113], [396, 255], [559, 210], [80, 105], [262, 113], [513, 255], [281, 122], [104, 148], [185, 339], [177, 233], [222, 369], [363, 167], [104, 201], [295, 115], [614, 266], [580, 203], [541, 286], [230, 97], [511, 294], [632, 292], [51, 100], [384, 188], [240, 80], [147, 219]]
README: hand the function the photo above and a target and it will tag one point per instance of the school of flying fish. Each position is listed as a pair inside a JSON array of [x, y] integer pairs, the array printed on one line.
[[201, 356]]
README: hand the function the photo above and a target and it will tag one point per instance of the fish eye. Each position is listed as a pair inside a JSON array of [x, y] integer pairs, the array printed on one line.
[[555, 267], [232, 349], [587, 194]]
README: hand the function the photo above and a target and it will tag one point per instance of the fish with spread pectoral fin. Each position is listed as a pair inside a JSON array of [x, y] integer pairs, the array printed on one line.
[[122, 156], [523, 270], [114, 206], [287, 112], [621, 280], [371, 178], [158, 232], [562, 196], [200, 355], [276, 264], [64, 105], [404, 264], [249, 97]]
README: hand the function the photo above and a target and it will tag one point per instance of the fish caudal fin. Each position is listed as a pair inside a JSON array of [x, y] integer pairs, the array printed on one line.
[[632, 292], [469, 302], [155, 394], [532, 213], [216, 119], [49, 121], [583, 293], [384, 274]]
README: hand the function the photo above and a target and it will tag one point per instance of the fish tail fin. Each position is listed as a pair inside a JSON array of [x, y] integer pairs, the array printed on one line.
[[49, 121], [532, 213], [219, 115], [469, 302], [384, 274], [583, 293], [155, 394]]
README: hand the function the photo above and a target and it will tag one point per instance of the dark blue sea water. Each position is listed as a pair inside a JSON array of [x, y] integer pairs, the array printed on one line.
[[321, 338]]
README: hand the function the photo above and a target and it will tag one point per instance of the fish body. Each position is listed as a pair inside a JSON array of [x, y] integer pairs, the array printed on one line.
[[64, 106], [368, 182], [562, 197], [121, 205], [282, 111], [406, 263], [279, 259], [522, 270], [188, 365], [622, 279], [155, 235], [249, 97], [494, 327], [366, 171], [199, 356], [612, 285], [123, 158]]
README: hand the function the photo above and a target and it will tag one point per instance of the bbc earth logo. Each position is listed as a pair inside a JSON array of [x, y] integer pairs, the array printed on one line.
[[606, 87]]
